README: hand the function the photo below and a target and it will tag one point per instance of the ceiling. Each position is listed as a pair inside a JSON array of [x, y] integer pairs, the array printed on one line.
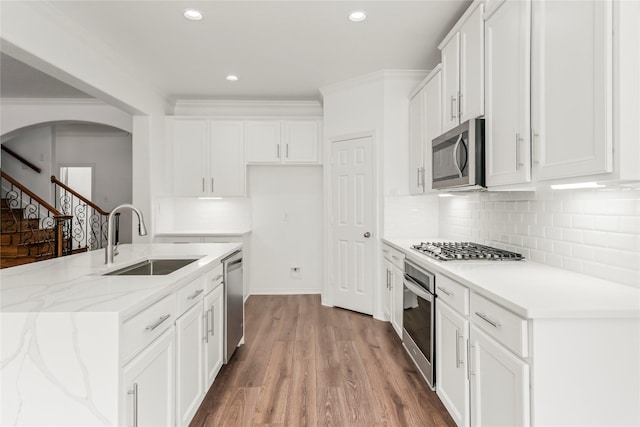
[[280, 50]]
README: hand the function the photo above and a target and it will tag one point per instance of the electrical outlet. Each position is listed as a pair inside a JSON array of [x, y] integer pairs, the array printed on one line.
[[295, 273]]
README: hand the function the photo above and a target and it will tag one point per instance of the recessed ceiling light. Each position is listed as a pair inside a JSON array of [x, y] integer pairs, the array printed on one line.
[[193, 14], [357, 16], [232, 78]]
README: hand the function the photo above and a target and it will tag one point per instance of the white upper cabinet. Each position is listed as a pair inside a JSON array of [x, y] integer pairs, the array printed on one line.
[[462, 69], [571, 86], [207, 157], [507, 36], [226, 158], [425, 124], [263, 142], [283, 141]]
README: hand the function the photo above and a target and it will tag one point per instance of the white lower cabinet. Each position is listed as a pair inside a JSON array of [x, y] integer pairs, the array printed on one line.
[[148, 381], [393, 266], [213, 349], [452, 380], [190, 331], [499, 384]]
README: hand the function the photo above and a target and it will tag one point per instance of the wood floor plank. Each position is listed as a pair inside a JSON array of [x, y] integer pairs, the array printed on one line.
[[304, 364], [272, 404]]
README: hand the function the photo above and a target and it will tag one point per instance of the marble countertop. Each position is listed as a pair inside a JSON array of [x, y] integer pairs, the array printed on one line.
[[205, 233], [76, 283], [533, 290]]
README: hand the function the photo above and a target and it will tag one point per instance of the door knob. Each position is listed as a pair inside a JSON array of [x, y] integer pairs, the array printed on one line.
[[367, 234]]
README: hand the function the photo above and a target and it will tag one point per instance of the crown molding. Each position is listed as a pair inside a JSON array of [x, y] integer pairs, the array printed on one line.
[[233, 108], [375, 77]]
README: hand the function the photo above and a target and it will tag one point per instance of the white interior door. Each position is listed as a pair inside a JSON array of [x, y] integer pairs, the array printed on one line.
[[352, 222]]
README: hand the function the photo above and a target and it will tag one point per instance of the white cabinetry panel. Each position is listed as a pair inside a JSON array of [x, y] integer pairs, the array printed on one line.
[[263, 141], [190, 169], [450, 83], [148, 382], [507, 35], [226, 158], [571, 88], [282, 141], [300, 141], [472, 66]]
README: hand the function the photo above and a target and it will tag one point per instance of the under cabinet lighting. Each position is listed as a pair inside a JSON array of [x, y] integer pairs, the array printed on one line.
[[576, 186], [357, 16], [232, 78], [193, 14], [209, 198], [446, 195]]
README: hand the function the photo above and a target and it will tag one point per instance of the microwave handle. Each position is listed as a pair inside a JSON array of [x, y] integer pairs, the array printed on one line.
[[455, 155]]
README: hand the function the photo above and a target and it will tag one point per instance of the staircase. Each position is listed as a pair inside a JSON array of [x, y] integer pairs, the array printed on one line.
[[31, 229], [22, 239]]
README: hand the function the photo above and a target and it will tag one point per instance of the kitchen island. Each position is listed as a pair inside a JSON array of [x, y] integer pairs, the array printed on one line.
[[72, 337]]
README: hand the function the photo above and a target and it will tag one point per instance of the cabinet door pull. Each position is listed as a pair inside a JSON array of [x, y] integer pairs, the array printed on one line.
[[534, 137], [418, 177], [158, 323], [134, 393], [423, 178], [469, 358], [453, 101], [278, 150], [212, 186], [446, 292], [287, 151], [212, 321], [195, 294], [206, 325], [218, 277], [457, 349], [203, 185], [483, 316], [517, 151]]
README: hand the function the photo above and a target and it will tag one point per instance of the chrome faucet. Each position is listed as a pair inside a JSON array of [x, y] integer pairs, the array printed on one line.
[[142, 230]]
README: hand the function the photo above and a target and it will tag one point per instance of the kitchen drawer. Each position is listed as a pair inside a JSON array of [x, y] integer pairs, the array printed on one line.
[[395, 256], [190, 293], [453, 293], [214, 278], [145, 326], [500, 323]]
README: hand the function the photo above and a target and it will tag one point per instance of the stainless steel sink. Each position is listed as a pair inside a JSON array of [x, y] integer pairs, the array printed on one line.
[[152, 267]]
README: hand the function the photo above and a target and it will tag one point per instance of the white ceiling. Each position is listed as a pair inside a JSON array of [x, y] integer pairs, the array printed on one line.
[[280, 50]]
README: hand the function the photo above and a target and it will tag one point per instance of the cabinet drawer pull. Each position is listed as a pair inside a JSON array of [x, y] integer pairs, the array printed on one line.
[[158, 323], [395, 257], [446, 292], [195, 294], [483, 316], [134, 393], [218, 277]]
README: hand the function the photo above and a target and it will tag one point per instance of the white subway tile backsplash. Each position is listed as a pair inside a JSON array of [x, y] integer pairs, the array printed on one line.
[[594, 232]]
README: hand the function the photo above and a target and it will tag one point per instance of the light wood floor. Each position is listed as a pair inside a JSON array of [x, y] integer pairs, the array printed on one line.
[[303, 364]]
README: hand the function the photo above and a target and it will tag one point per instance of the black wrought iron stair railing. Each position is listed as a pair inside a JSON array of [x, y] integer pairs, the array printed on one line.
[[89, 224], [31, 228]]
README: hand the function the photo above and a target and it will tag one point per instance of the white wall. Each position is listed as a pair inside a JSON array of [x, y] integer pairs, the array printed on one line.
[[35, 146], [188, 215], [110, 153], [287, 228], [591, 232]]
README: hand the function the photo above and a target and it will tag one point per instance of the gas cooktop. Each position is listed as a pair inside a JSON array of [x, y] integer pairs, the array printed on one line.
[[460, 251]]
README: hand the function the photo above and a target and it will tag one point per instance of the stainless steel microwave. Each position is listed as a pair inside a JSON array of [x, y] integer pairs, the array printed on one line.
[[458, 157]]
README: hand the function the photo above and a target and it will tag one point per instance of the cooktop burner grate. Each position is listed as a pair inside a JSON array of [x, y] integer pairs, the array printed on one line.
[[454, 251]]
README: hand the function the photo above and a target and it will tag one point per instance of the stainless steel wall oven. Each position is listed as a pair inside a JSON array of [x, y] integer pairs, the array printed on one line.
[[418, 319]]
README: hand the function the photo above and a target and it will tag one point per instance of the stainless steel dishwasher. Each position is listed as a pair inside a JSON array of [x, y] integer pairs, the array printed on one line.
[[233, 303]]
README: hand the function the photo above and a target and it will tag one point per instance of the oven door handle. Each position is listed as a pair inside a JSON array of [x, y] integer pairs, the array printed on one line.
[[417, 289]]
